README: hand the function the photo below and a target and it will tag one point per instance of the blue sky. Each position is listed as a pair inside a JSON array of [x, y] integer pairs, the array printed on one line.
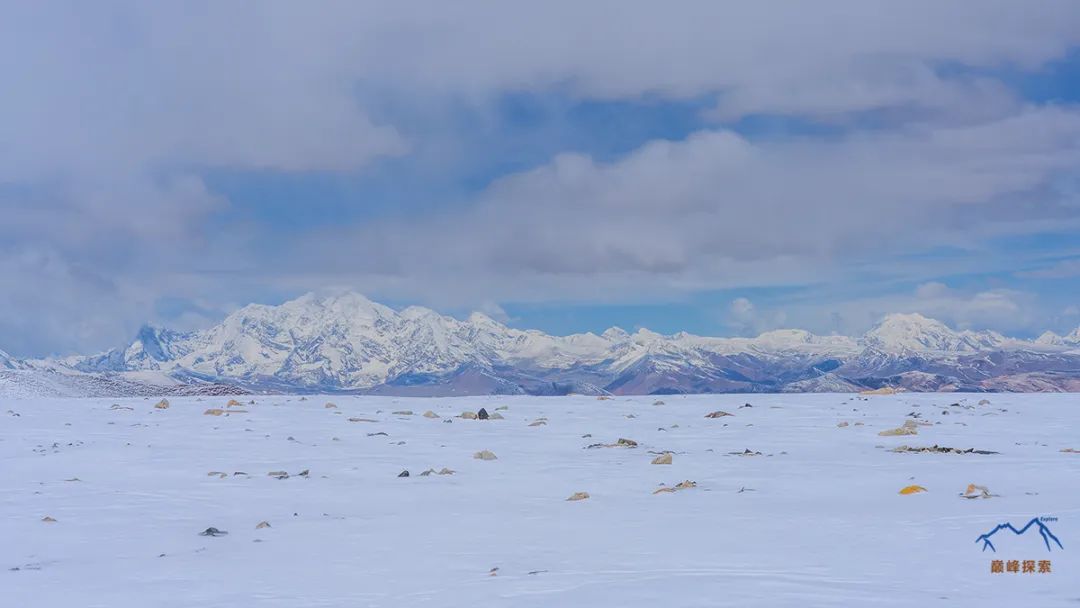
[[559, 167]]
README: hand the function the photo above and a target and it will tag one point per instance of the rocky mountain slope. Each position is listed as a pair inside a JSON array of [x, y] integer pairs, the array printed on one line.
[[349, 343]]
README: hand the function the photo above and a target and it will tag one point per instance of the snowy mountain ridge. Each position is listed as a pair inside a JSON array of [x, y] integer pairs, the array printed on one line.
[[350, 343]]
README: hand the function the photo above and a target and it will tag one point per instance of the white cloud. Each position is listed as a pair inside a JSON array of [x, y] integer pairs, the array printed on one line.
[[718, 210], [115, 112], [1064, 269], [746, 320]]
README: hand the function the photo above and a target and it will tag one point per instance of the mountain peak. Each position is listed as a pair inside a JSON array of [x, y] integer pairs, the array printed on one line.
[[1049, 338], [615, 334], [344, 341], [7, 361], [912, 331]]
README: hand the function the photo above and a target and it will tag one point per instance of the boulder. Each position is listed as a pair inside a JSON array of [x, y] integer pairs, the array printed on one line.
[[485, 455], [977, 491]]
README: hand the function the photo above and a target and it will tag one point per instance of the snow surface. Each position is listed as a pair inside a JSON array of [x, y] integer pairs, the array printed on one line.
[[820, 522]]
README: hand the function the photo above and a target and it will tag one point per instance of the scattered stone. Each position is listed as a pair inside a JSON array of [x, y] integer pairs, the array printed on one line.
[[662, 459], [162, 405], [278, 474], [430, 414], [218, 474], [682, 485], [468, 415], [502, 408], [745, 405], [213, 532], [658, 403], [377, 434], [718, 414], [427, 472], [362, 420], [262, 524], [746, 452], [977, 491], [984, 402], [117, 406], [538, 423], [603, 398], [214, 411], [482, 414], [446, 471], [1070, 451], [842, 424], [912, 490], [403, 413], [73, 479], [497, 416], [910, 427], [48, 520], [631, 416], [578, 496], [493, 571], [304, 473], [233, 403], [485, 455], [621, 443], [936, 449], [403, 474], [330, 406]]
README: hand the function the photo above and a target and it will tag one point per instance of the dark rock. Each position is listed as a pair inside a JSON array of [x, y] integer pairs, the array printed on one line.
[[403, 474], [213, 532], [482, 414]]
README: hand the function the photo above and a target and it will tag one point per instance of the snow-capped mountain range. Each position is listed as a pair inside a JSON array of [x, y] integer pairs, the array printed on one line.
[[349, 343]]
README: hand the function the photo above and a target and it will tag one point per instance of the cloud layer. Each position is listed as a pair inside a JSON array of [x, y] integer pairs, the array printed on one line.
[[905, 137]]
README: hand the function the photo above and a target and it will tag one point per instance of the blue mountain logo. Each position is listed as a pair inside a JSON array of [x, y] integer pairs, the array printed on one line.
[[1044, 531]]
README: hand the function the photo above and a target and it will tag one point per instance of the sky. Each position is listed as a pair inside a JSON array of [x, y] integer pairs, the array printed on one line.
[[722, 168]]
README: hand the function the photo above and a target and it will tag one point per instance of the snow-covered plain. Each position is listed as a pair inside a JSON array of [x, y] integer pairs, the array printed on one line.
[[819, 520]]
